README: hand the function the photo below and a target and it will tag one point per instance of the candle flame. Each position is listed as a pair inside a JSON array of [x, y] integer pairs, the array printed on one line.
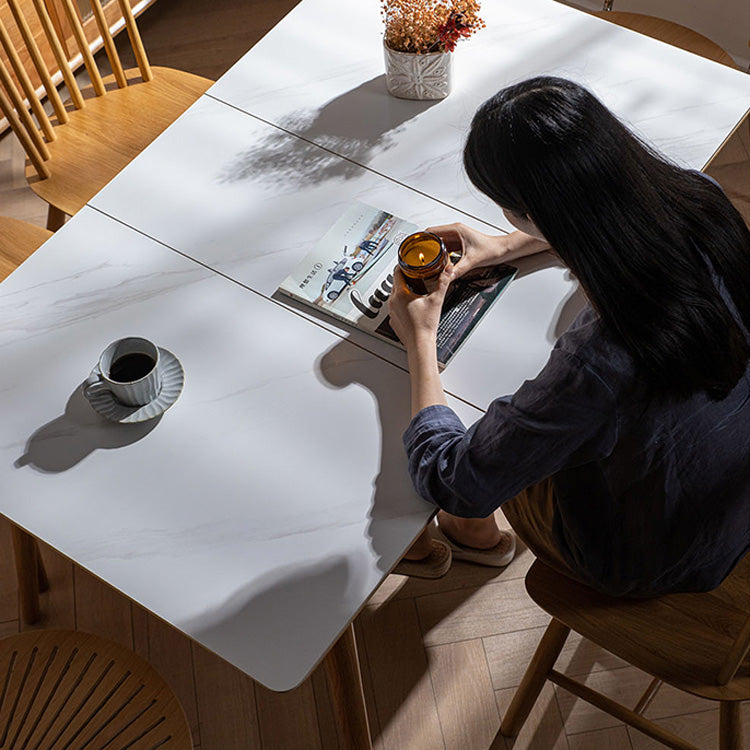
[[421, 258]]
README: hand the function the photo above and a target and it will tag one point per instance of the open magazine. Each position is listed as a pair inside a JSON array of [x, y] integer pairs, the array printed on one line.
[[349, 275]]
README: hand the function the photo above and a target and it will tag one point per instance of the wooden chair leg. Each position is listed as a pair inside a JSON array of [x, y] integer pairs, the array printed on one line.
[[648, 696], [41, 572], [730, 726], [345, 687], [27, 572], [55, 218], [533, 680]]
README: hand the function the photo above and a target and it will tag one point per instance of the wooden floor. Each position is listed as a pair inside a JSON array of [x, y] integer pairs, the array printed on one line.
[[440, 659]]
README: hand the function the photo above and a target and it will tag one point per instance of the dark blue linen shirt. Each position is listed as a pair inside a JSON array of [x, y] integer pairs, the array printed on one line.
[[650, 496]]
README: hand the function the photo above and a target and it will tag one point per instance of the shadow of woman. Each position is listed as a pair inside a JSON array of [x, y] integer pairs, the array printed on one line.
[[342, 367], [65, 441], [393, 499]]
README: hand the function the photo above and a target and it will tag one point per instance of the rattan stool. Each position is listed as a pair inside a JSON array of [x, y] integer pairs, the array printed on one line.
[[65, 690]]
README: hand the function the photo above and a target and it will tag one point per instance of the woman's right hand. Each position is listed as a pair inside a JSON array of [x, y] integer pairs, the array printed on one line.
[[475, 248]]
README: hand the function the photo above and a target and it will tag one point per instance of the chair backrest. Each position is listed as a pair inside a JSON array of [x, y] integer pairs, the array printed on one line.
[[68, 689], [26, 59]]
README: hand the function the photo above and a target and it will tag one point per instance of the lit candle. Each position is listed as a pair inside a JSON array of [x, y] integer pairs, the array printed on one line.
[[421, 257]]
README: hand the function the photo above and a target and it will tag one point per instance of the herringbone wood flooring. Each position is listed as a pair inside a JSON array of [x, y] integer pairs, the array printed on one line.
[[440, 659]]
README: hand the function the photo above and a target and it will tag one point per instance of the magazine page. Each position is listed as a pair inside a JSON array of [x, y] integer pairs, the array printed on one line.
[[467, 300], [349, 272], [349, 275]]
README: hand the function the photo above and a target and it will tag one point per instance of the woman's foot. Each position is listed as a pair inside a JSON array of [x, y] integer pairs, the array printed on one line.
[[477, 540], [479, 533], [421, 548], [426, 558]]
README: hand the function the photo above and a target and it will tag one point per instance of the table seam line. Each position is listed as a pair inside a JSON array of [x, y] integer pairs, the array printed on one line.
[[356, 163]]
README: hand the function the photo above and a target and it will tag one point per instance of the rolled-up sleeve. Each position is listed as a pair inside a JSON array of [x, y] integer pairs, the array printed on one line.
[[564, 417]]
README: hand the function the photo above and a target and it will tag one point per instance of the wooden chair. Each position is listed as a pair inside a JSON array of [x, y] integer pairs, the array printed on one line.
[[672, 33], [18, 240], [64, 689], [91, 138], [668, 32], [696, 642]]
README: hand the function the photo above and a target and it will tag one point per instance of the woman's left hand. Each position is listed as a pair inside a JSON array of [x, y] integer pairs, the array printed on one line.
[[415, 317]]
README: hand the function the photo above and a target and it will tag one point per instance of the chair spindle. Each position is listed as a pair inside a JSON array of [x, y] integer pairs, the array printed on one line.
[[14, 102], [135, 40], [38, 60], [83, 47], [25, 82], [60, 31], [109, 43], [22, 134], [61, 56]]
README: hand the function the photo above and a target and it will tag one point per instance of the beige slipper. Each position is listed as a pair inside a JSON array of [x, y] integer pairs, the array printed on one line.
[[494, 557], [435, 565]]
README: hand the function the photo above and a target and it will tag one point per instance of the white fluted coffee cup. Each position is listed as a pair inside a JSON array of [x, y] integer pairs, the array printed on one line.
[[129, 369]]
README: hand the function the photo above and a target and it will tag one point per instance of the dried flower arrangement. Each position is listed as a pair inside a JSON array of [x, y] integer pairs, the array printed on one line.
[[424, 26]]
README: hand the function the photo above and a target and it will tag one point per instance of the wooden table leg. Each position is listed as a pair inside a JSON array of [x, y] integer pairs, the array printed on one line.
[[27, 571], [345, 687]]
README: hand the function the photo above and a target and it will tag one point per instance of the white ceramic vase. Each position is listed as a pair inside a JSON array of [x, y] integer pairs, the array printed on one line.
[[410, 75]]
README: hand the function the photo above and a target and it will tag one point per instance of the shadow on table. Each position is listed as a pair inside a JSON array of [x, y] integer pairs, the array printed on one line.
[[392, 498], [65, 441], [261, 621], [356, 125]]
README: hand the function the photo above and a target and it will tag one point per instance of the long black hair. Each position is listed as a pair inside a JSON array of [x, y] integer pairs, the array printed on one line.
[[643, 236]]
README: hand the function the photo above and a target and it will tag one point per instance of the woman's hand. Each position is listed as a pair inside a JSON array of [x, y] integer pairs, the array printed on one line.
[[479, 250], [415, 320], [415, 317]]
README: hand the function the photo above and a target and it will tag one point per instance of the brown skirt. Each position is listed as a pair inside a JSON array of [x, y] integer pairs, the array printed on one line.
[[531, 515]]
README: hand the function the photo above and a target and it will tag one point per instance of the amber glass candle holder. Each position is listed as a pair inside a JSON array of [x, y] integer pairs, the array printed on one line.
[[422, 257]]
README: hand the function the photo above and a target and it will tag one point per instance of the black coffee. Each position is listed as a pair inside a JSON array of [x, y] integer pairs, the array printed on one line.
[[131, 367]]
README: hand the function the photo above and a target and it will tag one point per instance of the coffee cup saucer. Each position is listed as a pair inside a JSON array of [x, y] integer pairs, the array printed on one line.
[[172, 380]]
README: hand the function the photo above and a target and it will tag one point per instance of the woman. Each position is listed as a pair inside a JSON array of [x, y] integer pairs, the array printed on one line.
[[626, 462]]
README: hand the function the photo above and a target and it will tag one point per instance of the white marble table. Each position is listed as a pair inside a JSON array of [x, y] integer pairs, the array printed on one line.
[[261, 510], [259, 513]]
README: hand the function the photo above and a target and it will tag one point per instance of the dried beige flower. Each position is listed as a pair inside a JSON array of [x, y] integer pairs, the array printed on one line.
[[424, 26]]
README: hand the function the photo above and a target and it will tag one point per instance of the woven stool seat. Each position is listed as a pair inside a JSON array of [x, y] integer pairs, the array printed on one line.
[[65, 690]]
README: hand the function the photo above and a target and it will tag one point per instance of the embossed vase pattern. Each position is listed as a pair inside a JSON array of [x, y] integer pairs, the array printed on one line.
[[412, 76]]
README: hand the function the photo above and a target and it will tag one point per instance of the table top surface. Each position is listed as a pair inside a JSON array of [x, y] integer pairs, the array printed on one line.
[[261, 510]]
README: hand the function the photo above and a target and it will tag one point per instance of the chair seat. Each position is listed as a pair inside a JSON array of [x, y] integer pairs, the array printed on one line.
[[682, 638], [77, 690], [670, 33], [18, 240], [104, 136]]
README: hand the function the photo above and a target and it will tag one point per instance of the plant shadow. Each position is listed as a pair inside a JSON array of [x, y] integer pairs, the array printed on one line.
[[354, 125]]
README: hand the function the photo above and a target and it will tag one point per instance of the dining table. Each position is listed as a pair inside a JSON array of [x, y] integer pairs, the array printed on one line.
[[259, 512]]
